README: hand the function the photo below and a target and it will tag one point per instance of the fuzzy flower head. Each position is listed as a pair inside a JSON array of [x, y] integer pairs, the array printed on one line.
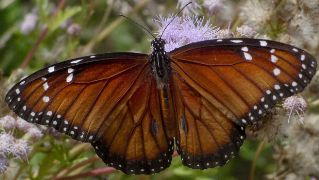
[[35, 133], [4, 163], [184, 30], [213, 6], [6, 143], [295, 105], [23, 125], [20, 149], [192, 8], [246, 31], [74, 29], [29, 23], [256, 13], [7, 122]]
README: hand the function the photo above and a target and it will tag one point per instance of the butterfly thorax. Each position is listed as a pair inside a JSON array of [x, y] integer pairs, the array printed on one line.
[[160, 63]]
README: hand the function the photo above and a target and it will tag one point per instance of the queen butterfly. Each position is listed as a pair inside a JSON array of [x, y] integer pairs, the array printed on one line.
[[133, 108]]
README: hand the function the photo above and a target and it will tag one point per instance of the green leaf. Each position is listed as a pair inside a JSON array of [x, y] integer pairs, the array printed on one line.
[[62, 16]]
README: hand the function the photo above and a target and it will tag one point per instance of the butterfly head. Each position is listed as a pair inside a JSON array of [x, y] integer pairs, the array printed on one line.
[[158, 44]]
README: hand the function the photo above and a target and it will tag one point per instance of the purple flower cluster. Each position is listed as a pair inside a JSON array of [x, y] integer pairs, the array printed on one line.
[[29, 23], [8, 122], [4, 164], [295, 105], [74, 29], [11, 146], [184, 30], [29, 129]]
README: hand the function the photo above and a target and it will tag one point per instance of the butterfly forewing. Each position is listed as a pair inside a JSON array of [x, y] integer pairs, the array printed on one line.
[[222, 85], [110, 100], [240, 75]]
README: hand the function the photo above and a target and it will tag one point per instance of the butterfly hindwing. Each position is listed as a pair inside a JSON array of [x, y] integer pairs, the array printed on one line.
[[206, 136], [135, 140]]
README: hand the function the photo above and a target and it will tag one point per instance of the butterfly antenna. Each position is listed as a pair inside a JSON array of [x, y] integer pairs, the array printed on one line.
[[174, 18], [144, 28]]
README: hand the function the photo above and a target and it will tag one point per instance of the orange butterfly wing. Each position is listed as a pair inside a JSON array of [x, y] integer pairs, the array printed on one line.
[[109, 100], [219, 86]]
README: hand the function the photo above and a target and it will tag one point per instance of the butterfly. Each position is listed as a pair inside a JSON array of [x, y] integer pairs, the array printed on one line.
[[135, 109]]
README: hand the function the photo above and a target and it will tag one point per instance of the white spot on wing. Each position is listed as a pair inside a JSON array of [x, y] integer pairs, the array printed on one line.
[[263, 43], [302, 57], [49, 113], [70, 70], [274, 58], [276, 71], [248, 57], [76, 61], [21, 83], [236, 41], [300, 76], [303, 66], [92, 56], [69, 78], [45, 86], [274, 97], [18, 91], [294, 49], [46, 99], [272, 51], [244, 49], [51, 69]]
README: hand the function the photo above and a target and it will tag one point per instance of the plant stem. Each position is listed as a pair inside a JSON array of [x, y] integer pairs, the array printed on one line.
[[76, 166], [106, 31], [44, 32], [78, 149], [95, 172], [253, 166]]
